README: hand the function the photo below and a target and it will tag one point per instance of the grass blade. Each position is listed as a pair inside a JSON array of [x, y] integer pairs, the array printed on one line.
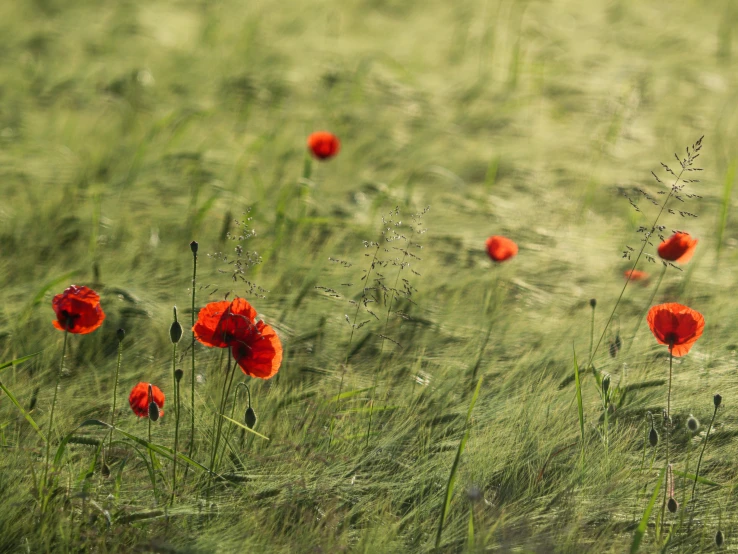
[[455, 466], [641, 531], [26, 415], [18, 360], [242, 426], [580, 406], [725, 204]]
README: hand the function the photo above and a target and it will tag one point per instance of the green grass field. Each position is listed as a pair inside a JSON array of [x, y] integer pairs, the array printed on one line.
[[130, 128]]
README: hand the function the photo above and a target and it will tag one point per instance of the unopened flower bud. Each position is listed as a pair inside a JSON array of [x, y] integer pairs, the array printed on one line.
[[250, 417], [153, 411], [653, 437], [178, 374], [673, 505], [717, 400], [593, 302], [719, 538], [193, 247], [121, 334], [175, 332]]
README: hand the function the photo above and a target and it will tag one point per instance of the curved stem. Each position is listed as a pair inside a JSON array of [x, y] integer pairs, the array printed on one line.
[[635, 264], [645, 311], [115, 392], [699, 461], [153, 467], [53, 407]]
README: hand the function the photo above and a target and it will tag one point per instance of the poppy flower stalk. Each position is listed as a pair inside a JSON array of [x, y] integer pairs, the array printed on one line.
[[53, 407], [702, 453], [194, 247], [121, 333], [677, 327], [175, 334]]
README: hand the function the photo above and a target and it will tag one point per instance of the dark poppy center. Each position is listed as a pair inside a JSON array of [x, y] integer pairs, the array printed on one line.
[[671, 339], [67, 319]]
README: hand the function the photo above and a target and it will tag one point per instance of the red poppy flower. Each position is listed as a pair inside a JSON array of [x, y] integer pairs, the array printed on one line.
[[78, 310], [501, 248], [676, 326], [323, 145], [219, 323], [255, 345], [679, 248], [637, 275], [139, 399], [259, 353]]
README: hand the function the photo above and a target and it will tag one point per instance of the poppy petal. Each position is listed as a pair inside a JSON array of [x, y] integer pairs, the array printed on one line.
[[259, 354]]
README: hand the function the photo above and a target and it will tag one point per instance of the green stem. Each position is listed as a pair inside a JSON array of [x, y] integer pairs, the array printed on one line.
[[115, 392], [192, 377], [176, 418], [642, 316], [592, 332], [53, 407], [699, 461], [218, 422], [635, 264], [153, 466], [667, 429]]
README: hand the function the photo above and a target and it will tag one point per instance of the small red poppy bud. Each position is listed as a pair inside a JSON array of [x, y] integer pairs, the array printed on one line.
[[323, 145], [153, 411], [719, 538], [717, 400], [178, 374], [593, 302], [121, 334], [194, 246], [673, 505]]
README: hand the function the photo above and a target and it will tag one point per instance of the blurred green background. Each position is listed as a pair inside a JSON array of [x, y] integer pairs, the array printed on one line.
[[128, 129]]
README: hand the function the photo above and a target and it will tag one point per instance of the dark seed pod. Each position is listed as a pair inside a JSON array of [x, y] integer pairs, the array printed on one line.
[[692, 424], [153, 411], [193, 247], [178, 374], [673, 505], [593, 302], [719, 538], [121, 334], [717, 400], [250, 417], [653, 437]]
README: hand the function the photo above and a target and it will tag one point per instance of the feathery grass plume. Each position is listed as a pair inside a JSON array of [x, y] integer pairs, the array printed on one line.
[[672, 191], [394, 249], [394, 232]]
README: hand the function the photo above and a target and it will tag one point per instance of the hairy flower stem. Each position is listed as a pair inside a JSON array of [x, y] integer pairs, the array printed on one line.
[[192, 376], [635, 264], [592, 331], [667, 429], [218, 420], [176, 420], [645, 310], [699, 461], [153, 467], [115, 394], [53, 407], [381, 350], [351, 339]]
